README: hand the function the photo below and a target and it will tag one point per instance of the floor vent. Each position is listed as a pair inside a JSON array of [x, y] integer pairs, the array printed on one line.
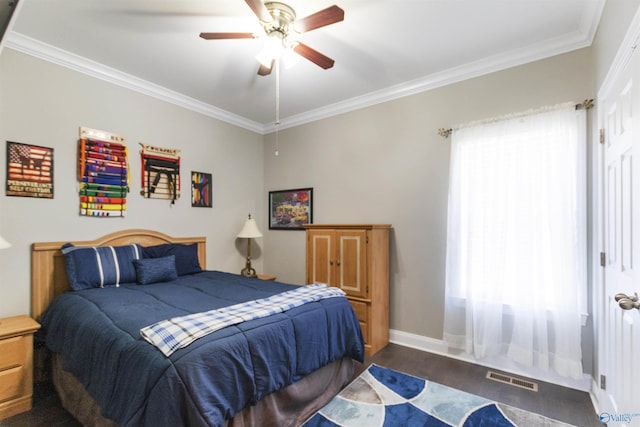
[[507, 379]]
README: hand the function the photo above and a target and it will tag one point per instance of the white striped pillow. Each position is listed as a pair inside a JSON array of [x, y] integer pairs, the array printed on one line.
[[100, 266]]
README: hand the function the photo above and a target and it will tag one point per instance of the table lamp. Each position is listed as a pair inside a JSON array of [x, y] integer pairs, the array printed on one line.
[[249, 231]]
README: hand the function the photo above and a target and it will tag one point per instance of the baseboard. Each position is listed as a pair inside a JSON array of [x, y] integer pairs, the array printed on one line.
[[435, 346], [596, 393]]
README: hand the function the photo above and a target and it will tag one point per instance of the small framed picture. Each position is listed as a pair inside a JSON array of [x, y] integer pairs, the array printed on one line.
[[29, 170], [290, 209], [201, 190]]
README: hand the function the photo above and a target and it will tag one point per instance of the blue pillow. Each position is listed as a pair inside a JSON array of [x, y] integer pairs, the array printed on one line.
[[100, 266], [155, 270], [186, 256]]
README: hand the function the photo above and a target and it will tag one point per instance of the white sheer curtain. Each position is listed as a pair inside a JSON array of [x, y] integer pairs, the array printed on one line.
[[516, 239]]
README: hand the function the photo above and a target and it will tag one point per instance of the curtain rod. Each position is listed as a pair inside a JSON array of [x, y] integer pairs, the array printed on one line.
[[586, 105]]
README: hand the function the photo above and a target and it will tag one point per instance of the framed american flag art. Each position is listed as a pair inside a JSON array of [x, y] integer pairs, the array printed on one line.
[[29, 170]]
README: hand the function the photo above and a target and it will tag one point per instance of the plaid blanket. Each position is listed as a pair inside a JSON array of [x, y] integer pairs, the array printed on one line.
[[178, 332]]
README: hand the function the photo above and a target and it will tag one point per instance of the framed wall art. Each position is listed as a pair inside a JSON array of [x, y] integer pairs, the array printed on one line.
[[29, 170], [201, 190], [290, 209], [160, 172]]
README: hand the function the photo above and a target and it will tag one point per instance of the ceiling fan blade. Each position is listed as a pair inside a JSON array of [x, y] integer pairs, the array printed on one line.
[[220, 36], [324, 17], [265, 71], [260, 10], [314, 56]]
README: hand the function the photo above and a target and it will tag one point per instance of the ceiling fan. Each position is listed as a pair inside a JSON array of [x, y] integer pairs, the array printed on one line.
[[281, 29]]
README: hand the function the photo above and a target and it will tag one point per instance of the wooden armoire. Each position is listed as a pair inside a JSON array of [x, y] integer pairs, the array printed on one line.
[[355, 258]]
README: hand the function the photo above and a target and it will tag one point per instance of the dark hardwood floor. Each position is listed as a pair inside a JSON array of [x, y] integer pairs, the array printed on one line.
[[46, 411], [567, 405]]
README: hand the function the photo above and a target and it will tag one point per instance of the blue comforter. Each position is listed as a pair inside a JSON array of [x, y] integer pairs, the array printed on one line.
[[97, 333]]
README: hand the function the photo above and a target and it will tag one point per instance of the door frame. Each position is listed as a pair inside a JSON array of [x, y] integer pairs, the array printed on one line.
[[598, 291]]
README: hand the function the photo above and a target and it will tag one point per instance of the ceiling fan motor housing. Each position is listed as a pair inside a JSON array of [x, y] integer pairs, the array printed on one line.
[[281, 24]]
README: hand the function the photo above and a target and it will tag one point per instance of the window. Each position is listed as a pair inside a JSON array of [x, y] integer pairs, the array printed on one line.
[[516, 239]]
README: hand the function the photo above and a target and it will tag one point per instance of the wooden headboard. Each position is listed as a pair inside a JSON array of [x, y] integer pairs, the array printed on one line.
[[48, 273]]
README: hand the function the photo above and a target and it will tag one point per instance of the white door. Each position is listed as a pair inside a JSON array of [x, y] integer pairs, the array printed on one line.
[[619, 334]]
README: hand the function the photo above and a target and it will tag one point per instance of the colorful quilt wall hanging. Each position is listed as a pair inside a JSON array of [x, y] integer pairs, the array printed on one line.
[[103, 172], [160, 172]]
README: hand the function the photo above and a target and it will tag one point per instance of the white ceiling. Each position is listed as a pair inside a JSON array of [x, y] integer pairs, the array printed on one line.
[[383, 49]]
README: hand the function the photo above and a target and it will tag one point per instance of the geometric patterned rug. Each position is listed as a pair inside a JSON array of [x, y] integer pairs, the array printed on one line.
[[387, 398]]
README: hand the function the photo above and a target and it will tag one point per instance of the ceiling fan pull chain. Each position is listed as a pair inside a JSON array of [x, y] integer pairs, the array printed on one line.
[[277, 65]]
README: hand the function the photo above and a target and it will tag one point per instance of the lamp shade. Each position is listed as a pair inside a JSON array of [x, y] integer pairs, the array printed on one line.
[[250, 229], [4, 244]]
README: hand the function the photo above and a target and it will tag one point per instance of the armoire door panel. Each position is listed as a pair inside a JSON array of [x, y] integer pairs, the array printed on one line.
[[351, 269], [320, 259]]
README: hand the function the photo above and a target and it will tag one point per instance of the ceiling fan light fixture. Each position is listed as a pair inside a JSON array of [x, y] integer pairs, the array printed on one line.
[[276, 42], [273, 49]]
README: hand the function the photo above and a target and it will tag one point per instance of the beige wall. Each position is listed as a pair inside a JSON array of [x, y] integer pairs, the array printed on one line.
[[387, 164], [44, 104]]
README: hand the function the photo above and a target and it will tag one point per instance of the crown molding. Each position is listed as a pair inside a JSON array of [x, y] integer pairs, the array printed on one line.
[[626, 50], [46, 52], [12, 20], [546, 49]]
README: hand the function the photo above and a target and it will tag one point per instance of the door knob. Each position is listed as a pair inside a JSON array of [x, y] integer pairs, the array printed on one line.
[[627, 302]]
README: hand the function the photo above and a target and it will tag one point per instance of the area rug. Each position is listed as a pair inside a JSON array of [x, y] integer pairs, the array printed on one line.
[[387, 398]]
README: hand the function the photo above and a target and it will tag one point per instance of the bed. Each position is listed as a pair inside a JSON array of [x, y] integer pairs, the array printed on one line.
[[272, 370]]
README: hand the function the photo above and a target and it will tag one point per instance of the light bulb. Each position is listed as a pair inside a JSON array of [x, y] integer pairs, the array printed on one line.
[[290, 58], [271, 50]]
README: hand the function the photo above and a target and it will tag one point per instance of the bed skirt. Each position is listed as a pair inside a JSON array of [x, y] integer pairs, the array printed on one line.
[[290, 406]]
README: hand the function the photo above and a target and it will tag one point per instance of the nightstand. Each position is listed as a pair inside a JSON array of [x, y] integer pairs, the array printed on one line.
[[16, 364], [265, 277]]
